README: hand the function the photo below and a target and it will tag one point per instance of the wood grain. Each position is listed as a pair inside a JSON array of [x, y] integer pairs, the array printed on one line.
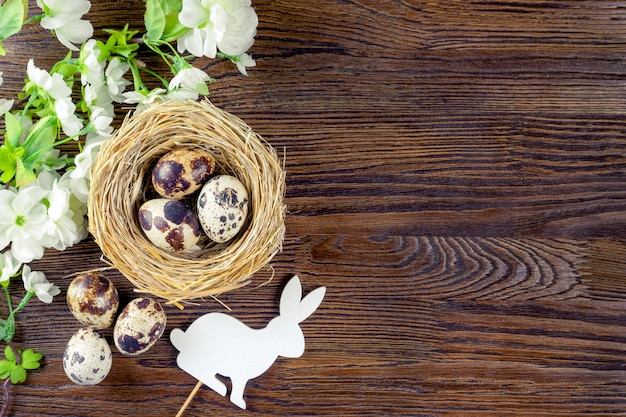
[[456, 177]]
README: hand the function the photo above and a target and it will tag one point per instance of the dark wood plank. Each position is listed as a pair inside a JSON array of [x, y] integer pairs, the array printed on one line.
[[445, 326]]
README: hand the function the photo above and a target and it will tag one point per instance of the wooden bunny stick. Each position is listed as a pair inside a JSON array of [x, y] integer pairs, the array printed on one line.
[[217, 343], [189, 398]]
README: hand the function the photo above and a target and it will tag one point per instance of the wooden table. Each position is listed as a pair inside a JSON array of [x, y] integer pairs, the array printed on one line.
[[456, 178]]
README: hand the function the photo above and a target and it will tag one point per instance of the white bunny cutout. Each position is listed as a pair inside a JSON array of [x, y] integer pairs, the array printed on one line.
[[217, 343]]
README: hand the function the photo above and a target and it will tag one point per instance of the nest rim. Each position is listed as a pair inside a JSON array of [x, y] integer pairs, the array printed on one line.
[[120, 183]]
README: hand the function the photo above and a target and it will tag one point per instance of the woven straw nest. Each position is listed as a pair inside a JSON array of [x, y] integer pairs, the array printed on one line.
[[120, 183]]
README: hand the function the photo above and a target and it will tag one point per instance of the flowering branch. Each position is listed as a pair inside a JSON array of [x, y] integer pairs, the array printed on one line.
[[43, 194], [17, 362]]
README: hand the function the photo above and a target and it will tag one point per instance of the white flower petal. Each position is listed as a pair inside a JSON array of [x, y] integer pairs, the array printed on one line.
[[77, 32], [229, 26], [63, 17], [26, 250], [5, 106], [193, 13]]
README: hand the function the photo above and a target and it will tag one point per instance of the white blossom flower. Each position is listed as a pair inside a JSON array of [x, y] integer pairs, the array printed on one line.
[[193, 79], [54, 85], [101, 119], [9, 266], [92, 68], [227, 25], [97, 95], [65, 110], [244, 61], [182, 95], [63, 18], [35, 282], [241, 28], [143, 100], [78, 179], [5, 105], [23, 222], [78, 206], [83, 160], [115, 78], [60, 230]]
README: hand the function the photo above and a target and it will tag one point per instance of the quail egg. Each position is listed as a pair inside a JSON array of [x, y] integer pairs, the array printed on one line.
[[140, 324], [169, 224], [222, 207], [93, 300], [87, 359], [181, 172]]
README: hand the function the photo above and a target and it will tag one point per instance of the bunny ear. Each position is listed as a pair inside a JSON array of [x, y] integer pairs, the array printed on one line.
[[291, 305], [310, 303], [291, 296]]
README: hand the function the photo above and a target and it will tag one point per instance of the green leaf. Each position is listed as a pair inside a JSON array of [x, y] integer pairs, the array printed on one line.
[[25, 8], [18, 374], [67, 70], [118, 42], [9, 354], [30, 359], [3, 332], [154, 19], [5, 368], [8, 161], [170, 6], [173, 28], [31, 365], [7, 165], [41, 137], [23, 175], [2, 51], [14, 130], [11, 18], [7, 174]]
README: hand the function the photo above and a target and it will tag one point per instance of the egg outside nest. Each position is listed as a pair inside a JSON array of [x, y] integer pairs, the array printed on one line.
[[139, 326], [93, 300], [87, 359]]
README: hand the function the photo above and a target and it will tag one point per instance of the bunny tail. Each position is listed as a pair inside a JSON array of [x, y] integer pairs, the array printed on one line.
[[177, 338]]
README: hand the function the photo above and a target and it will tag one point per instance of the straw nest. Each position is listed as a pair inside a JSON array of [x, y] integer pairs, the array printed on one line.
[[120, 183]]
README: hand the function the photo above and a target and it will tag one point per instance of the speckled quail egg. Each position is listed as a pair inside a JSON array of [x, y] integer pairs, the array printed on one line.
[[169, 224], [181, 172], [87, 359], [140, 324], [93, 300], [222, 207]]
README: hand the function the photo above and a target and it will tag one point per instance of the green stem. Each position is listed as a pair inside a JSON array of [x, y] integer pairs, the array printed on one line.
[[10, 322], [157, 76], [24, 301], [170, 60], [34, 19], [138, 83], [29, 103]]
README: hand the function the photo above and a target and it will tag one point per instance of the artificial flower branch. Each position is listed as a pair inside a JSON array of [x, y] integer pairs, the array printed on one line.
[[43, 193]]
